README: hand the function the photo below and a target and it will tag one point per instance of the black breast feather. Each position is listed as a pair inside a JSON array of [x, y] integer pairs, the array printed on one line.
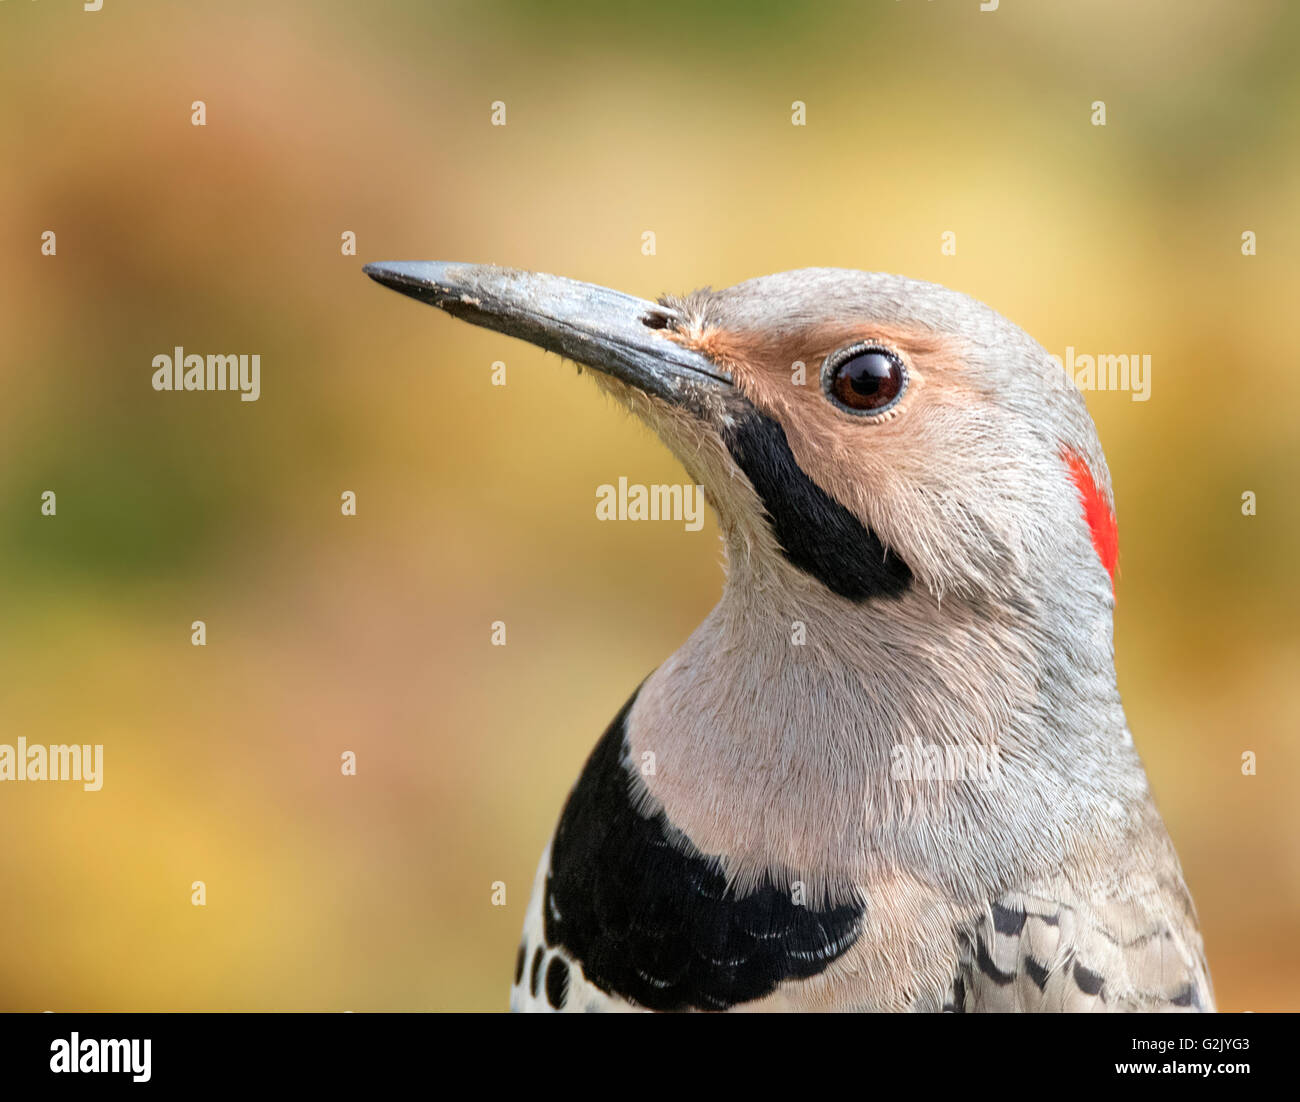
[[651, 919]]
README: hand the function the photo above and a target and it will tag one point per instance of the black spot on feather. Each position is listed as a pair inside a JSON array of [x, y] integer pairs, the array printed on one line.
[[557, 983], [1007, 921], [536, 969], [987, 966], [1089, 982], [1037, 972]]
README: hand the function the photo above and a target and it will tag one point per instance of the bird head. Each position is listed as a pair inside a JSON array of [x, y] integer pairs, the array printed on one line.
[[871, 433]]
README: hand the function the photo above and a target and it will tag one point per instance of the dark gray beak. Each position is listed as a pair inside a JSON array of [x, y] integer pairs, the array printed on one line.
[[608, 331]]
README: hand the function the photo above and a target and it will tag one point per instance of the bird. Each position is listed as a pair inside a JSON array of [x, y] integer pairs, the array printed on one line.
[[890, 771]]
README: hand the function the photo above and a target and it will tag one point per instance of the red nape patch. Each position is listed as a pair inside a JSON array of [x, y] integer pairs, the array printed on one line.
[[1100, 518]]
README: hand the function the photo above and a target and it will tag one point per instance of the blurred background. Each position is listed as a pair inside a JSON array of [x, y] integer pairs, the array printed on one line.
[[476, 503]]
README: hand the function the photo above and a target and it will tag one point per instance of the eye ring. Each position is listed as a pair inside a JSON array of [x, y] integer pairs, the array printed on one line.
[[881, 377]]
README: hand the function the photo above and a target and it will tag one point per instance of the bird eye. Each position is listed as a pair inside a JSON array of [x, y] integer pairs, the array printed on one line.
[[865, 378]]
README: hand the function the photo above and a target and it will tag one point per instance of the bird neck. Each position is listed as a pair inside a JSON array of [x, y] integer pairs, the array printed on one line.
[[801, 733]]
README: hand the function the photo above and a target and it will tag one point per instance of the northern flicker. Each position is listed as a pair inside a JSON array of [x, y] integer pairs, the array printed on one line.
[[891, 769]]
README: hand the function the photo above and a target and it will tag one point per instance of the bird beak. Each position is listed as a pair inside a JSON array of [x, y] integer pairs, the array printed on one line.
[[613, 333]]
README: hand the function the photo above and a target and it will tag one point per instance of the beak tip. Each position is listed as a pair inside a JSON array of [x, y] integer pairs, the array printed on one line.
[[418, 279], [389, 272]]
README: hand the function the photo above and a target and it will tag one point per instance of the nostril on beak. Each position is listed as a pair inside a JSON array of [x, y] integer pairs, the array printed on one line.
[[656, 320]]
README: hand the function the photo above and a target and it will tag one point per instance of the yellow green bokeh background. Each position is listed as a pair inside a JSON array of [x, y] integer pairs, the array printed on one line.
[[476, 503]]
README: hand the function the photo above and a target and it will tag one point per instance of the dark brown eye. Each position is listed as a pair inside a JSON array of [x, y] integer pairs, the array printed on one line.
[[865, 379]]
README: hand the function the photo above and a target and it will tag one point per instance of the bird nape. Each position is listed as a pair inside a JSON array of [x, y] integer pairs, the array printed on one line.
[[891, 767]]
